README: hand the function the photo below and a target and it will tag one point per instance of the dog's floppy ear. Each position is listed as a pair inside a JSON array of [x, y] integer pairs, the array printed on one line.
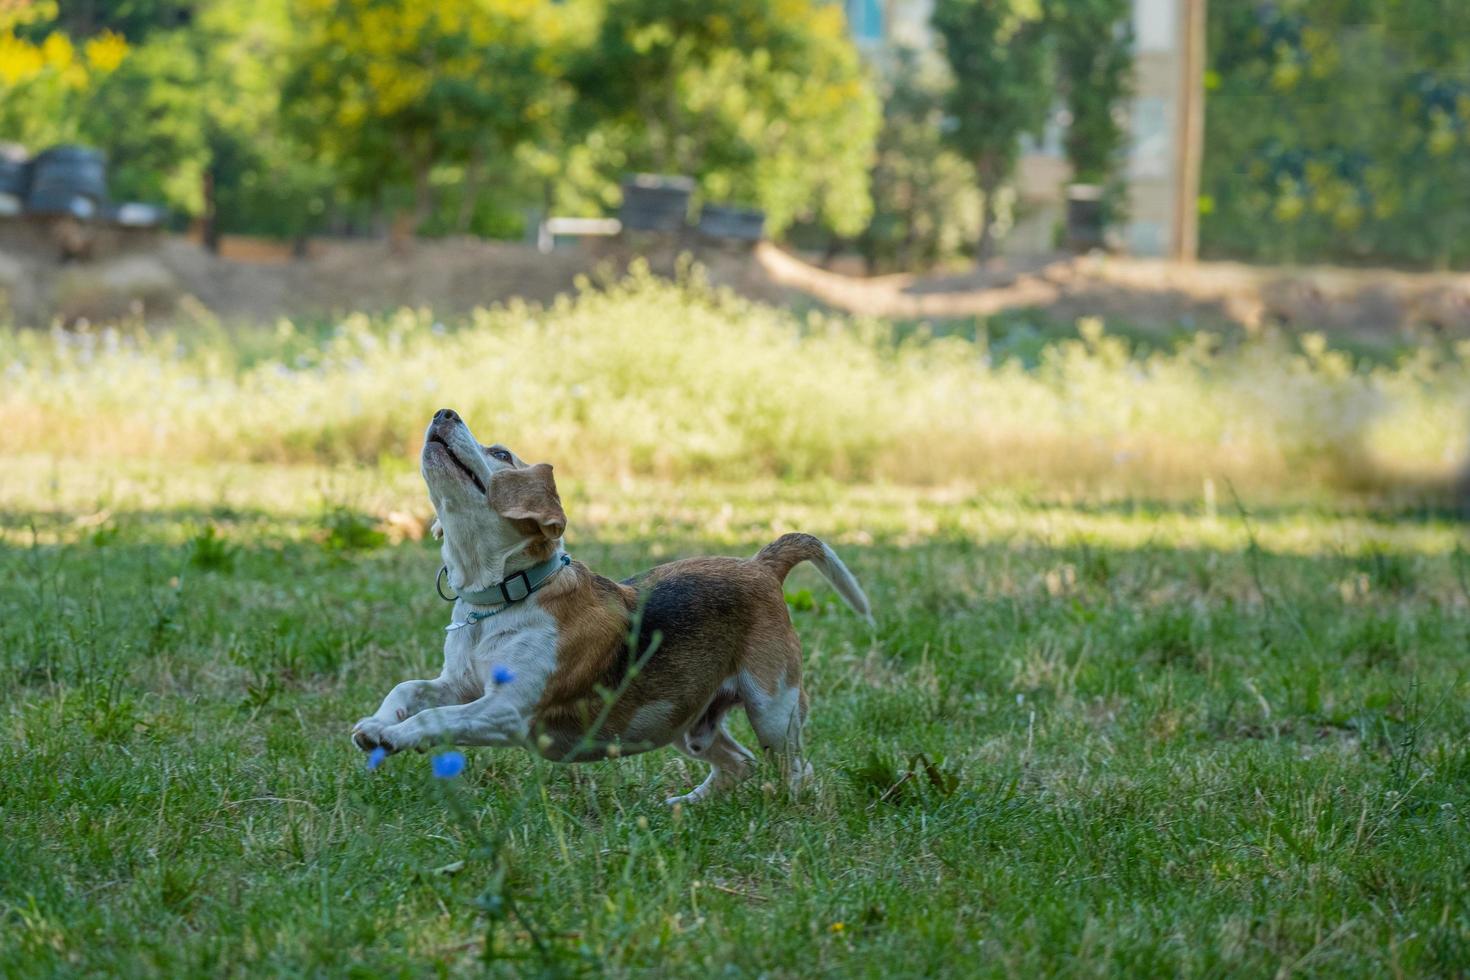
[[529, 495]]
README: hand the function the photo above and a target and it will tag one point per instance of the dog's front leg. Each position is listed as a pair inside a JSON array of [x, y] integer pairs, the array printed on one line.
[[491, 720], [404, 701]]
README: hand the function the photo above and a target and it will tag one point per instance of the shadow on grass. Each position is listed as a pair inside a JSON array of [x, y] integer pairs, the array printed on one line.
[[1443, 502]]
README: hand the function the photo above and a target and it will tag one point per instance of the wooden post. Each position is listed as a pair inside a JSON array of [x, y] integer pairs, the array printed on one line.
[[1191, 132]]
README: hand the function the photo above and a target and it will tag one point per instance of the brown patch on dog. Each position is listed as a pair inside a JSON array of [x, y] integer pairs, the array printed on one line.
[[592, 614], [528, 498], [700, 622]]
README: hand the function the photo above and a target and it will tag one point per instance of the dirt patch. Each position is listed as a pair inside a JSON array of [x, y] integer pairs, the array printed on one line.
[[158, 275], [254, 282], [335, 277]]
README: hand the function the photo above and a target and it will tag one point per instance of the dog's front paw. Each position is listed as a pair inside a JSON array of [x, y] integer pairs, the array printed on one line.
[[367, 735]]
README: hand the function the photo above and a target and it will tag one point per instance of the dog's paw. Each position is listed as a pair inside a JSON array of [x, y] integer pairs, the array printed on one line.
[[695, 795], [800, 777], [367, 735]]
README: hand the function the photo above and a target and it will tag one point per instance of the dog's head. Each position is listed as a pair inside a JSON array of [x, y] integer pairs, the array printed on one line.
[[495, 513]]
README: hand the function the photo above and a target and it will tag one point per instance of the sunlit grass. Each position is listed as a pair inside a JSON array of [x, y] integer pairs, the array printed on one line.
[[651, 379], [1162, 740], [56, 501]]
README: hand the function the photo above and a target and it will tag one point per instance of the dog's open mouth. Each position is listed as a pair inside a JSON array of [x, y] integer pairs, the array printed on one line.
[[474, 477]]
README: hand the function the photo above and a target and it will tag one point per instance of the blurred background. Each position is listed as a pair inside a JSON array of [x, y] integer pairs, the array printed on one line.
[[1168, 239]]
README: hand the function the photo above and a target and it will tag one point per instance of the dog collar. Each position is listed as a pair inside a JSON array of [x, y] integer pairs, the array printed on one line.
[[505, 593]]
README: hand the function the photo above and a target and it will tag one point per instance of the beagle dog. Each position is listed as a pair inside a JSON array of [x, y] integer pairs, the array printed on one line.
[[543, 652]]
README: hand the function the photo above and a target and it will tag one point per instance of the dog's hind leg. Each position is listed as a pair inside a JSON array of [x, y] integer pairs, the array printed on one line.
[[769, 683], [701, 733], [729, 761]]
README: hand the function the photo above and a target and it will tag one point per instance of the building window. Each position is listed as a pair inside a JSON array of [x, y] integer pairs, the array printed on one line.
[[865, 19]]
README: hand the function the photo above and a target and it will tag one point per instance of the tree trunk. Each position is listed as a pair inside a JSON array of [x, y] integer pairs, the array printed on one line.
[[830, 253], [908, 246], [1462, 488], [407, 224], [868, 248], [469, 191], [987, 168], [208, 221], [423, 196], [985, 247]]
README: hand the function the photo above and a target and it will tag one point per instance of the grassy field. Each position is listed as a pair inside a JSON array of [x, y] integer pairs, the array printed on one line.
[[1114, 718], [1111, 738], [677, 381]]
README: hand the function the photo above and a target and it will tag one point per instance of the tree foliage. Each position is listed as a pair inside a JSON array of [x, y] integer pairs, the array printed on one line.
[[1342, 125], [925, 201], [133, 19], [765, 102], [386, 90], [164, 151], [47, 79], [999, 53], [1094, 60]]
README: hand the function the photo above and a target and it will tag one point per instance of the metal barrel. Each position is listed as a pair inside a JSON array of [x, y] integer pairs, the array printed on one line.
[[1086, 218], [68, 180], [655, 203], [15, 178], [15, 174], [738, 224]]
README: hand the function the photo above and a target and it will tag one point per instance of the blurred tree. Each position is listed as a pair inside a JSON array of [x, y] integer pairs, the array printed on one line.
[[133, 19], [200, 100], [1343, 126], [925, 203], [385, 91], [1433, 101], [1094, 50], [558, 171], [765, 102], [999, 52], [161, 152], [258, 179], [47, 79]]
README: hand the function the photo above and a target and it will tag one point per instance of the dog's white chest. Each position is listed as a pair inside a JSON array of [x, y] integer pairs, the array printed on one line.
[[521, 641]]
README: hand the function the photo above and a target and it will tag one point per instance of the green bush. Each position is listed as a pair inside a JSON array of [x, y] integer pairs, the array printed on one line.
[[676, 380]]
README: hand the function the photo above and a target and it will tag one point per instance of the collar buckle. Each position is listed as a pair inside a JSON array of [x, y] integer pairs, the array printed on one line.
[[519, 578], [510, 590]]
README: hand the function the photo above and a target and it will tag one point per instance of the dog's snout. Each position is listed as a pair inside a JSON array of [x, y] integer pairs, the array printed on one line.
[[446, 415]]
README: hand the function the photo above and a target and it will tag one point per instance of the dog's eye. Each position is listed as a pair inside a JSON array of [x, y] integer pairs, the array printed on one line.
[[501, 454]]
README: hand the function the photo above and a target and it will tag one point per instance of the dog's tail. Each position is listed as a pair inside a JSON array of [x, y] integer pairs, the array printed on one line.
[[790, 550]]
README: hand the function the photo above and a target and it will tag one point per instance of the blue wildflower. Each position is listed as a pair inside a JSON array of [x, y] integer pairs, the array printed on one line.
[[376, 757], [448, 765], [502, 675]]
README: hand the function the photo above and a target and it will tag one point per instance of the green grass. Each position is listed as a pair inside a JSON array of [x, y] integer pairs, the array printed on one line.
[[1113, 739]]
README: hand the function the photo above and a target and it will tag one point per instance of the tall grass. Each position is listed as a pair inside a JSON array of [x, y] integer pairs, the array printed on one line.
[[653, 378]]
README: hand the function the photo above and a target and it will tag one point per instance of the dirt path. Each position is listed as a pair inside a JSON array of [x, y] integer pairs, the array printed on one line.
[[1151, 291]]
